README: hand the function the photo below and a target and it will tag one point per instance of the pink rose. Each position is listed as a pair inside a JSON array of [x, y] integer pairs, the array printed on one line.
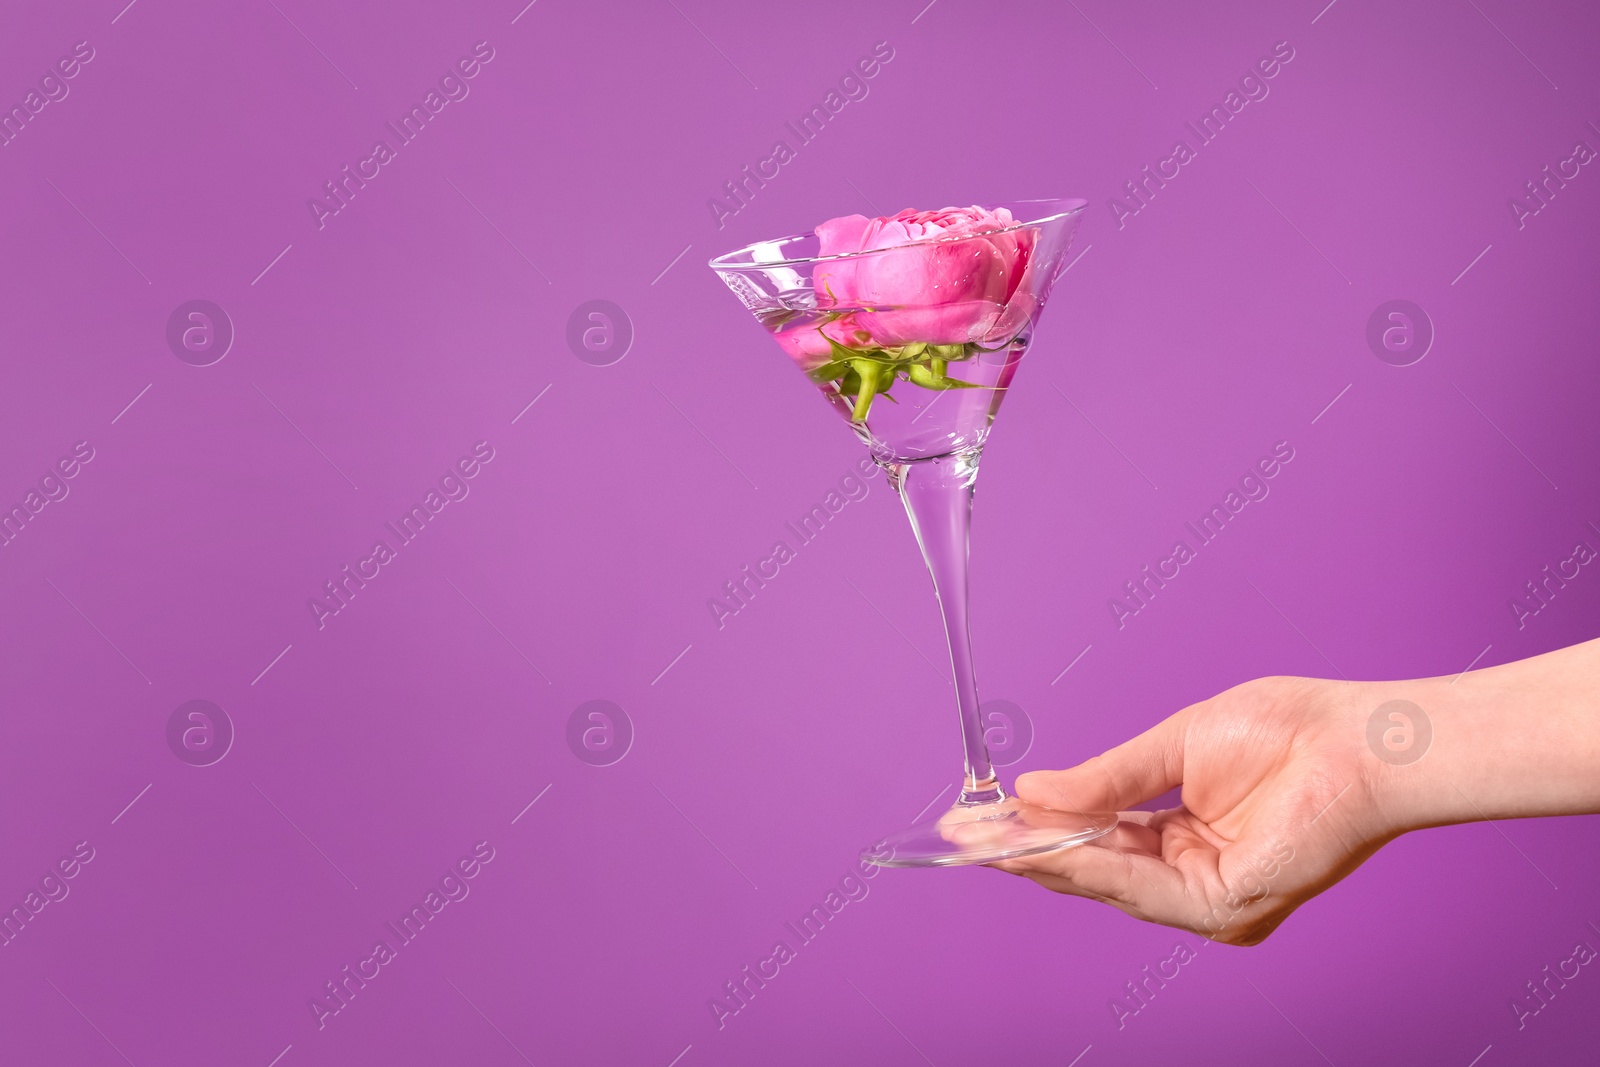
[[948, 277], [806, 346]]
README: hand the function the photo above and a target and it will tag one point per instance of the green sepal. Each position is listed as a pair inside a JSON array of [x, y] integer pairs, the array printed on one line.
[[828, 371], [863, 374], [841, 352], [928, 379]]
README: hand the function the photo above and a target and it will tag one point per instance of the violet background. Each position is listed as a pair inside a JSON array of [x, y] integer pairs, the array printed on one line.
[[411, 326]]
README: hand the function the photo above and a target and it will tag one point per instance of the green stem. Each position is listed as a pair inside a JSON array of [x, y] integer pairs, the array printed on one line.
[[867, 372]]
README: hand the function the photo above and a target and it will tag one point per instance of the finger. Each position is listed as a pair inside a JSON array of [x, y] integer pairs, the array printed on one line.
[[1135, 831], [1129, 840], [1136, 883], [1134, 834], [1131, 773], [1143, 885]]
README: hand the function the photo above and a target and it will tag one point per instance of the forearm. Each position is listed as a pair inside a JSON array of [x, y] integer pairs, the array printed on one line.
[[1513, 741]]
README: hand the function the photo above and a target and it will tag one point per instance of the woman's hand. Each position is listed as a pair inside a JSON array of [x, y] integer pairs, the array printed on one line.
[[1289, 784], [1279, 803]]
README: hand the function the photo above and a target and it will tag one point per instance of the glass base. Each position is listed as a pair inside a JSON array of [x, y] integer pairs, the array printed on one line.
[[981, 833]]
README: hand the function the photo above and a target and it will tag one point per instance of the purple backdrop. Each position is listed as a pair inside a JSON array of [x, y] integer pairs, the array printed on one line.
[[359, 351]]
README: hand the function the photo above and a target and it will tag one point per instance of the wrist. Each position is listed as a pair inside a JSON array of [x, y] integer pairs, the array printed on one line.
[[1420, 738], [1393, 729], [1513, 741]]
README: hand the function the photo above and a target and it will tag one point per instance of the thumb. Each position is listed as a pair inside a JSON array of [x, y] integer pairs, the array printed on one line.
[[1131, 773]]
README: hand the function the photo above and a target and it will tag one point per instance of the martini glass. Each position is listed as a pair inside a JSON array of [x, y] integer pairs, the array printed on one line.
[[920, 379]]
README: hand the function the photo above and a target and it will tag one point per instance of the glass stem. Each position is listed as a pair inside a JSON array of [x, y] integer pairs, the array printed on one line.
[[937, 494]]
